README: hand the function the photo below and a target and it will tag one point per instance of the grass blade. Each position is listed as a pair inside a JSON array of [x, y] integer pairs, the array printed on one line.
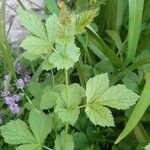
[[107, 51], [134, 27], [138, 111], [3, 42]]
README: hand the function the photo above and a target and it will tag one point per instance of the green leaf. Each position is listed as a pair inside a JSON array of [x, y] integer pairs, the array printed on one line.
[[99, 94], [40, 124], [65, 56], [30, 55], [48, 99], [46, 65], [132, 81], [67, 104], [138, 110], [57, 123], [147, 147], [84, 19], [135, 19], [96, 86], [33, 23], [30, 147], [52, 27], [80, 141], [17, 132], [118, 97], [36, 45], [99, 115], [64, 141], [36, 92], [52, 7]]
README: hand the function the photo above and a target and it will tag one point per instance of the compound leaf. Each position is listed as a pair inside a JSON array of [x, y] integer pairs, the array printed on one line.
[[99, 94]]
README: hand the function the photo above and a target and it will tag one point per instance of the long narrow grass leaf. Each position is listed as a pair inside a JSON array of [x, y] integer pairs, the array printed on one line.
[[107, 51], [134, 27]]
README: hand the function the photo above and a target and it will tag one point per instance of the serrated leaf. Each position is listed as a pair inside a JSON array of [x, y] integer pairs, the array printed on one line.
[[147, 147], [99, 115], [40, 124], [65, 56], [67, 104], [84, 19], [48, 99], [52, 27], [30, 147], [64, 141], [36, 45], [17, 132], [118, 97], [99, 94], [96, 86], [33, 23]]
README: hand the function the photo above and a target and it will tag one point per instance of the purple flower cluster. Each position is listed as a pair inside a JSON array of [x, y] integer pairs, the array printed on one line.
[[12, 101]]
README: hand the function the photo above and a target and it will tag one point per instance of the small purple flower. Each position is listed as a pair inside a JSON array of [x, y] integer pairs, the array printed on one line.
[[15, 109], [20, 84], [27, 79], [5, 93], [9, 100]]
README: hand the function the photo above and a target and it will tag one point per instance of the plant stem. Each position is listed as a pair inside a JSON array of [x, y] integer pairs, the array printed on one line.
[[82, 106], [29, 100], [46, 147], [67, 83], [53, 81]]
